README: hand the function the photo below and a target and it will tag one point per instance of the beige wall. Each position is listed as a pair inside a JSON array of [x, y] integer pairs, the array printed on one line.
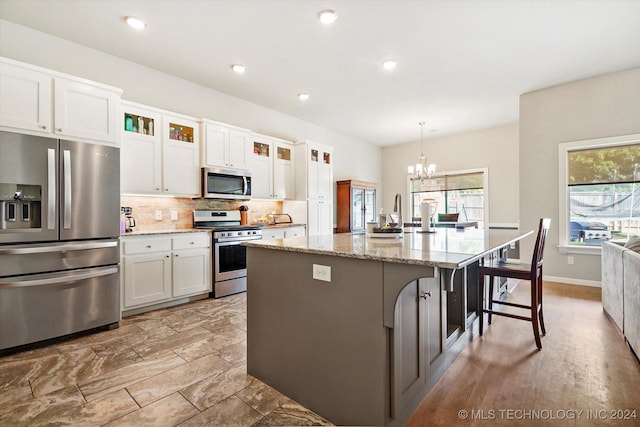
[[151, 87], [599, 107], [494, 148]]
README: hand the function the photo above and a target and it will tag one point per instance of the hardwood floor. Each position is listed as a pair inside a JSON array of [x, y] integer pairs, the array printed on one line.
[[584, 365], [187, 366]]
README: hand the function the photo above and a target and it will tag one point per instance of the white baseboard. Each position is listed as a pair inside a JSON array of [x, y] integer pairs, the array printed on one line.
[[571, 281]]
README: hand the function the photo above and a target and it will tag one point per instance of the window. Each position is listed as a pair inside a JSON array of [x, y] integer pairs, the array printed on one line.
[[455, 192], [599, 192]]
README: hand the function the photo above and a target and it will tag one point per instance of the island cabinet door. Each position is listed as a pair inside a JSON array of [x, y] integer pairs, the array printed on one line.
[[417, 343]]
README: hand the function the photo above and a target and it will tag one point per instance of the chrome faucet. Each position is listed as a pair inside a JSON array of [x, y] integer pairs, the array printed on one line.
[[397, 207]]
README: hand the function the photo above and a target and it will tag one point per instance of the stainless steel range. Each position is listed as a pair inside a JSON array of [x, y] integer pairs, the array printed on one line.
[[229, 256]]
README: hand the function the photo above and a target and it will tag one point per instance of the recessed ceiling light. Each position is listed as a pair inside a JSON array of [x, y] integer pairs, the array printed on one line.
[[134, 22], [389, 64], [327, 16], [303, 96], [239, 68]]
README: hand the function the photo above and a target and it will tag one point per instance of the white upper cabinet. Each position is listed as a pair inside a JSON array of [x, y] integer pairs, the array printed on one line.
[[25, 102], [85, 111], [159, 152], [283, 170], [314, 171], [140, 151], [42, 102], [261, 166], [223, 145], [270, 161], [180, 171]]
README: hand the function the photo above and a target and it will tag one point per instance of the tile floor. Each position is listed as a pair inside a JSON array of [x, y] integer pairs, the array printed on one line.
[[182, 366]]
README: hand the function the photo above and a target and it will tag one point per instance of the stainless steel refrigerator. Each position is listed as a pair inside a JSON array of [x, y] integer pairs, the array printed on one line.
[[59, 236]]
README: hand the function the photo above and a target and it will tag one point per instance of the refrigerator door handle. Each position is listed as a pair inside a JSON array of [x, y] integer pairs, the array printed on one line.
[[51, 190], [67, 189], [56, 248], [59, 278]]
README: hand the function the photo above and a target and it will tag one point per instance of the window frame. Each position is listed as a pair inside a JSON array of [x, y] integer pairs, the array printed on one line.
[[563, 186], [485, 187]]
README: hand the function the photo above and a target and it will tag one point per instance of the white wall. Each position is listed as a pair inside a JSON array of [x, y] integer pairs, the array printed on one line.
[[147, 86], [599, 107], [494, 148]]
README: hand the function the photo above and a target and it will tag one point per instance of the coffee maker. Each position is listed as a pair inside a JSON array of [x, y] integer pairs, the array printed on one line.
[[129, 220]]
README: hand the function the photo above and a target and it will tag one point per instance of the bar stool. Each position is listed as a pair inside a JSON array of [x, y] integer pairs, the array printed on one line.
[[531, 272]]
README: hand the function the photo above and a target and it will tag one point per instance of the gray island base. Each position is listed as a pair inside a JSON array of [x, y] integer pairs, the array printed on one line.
[[358, 329]]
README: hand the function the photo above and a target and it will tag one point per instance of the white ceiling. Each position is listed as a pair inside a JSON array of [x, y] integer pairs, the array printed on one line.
[[461, 64]]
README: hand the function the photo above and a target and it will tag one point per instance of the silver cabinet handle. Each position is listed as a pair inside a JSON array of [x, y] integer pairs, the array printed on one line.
[[424, 295], [59, 129], [42, 127], [148, 246], [53, 248], [67, 188], [51, 190], [57, 278]]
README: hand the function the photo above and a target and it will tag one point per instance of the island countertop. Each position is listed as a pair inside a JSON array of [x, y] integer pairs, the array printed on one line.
[[446, 248]]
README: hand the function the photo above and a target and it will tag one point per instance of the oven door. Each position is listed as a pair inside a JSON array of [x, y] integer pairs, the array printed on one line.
[[230, 261]]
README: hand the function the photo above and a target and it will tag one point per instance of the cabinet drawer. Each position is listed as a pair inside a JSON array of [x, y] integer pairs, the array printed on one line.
[[142, 246], [192, 240]]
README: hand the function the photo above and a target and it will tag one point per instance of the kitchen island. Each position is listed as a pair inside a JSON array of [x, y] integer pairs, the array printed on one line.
[[358, 328]]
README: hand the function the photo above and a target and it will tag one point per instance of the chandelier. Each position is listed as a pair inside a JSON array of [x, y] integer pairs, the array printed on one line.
[[422, 170]]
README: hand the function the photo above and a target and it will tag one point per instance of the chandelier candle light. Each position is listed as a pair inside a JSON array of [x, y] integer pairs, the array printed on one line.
[[422, 170]]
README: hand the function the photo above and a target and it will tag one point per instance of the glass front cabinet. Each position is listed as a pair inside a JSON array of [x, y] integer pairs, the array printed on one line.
[[356, 205]]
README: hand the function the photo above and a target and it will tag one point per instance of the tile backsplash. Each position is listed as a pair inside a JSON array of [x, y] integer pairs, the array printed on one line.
[[145, 208]]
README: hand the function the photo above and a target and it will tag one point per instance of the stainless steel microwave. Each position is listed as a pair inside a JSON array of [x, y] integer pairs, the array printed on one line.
[[222, 183]]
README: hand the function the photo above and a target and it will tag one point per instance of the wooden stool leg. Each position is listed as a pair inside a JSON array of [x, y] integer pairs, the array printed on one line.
[[534, 311], [480, 301], [490, 297], [542, 328]]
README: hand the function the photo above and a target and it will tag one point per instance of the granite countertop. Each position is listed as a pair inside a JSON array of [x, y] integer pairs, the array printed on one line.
[[446, 248], [163, 231]]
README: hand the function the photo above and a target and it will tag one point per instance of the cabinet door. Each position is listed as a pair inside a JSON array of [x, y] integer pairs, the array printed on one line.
[[325, 176], [283, 172], [215, 144], [180, 156], [25, 102], [357, 209], [147, 279], [191, 271], [238, 141], [294, 232], [418, 339], [273, 233], [409, 372], [140, 153], [313, 173], [86, 111], [319, 218], [370, 214], [260, 165]]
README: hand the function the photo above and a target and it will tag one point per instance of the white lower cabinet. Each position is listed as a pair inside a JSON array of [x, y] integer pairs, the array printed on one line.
[[157, 269], [283, 232], [295, 232], [191, 264], [272, 233]]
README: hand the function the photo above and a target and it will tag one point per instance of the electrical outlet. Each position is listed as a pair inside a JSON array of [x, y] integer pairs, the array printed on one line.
[[158, 215], [174, 215], [322, 272], [570, 260]]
